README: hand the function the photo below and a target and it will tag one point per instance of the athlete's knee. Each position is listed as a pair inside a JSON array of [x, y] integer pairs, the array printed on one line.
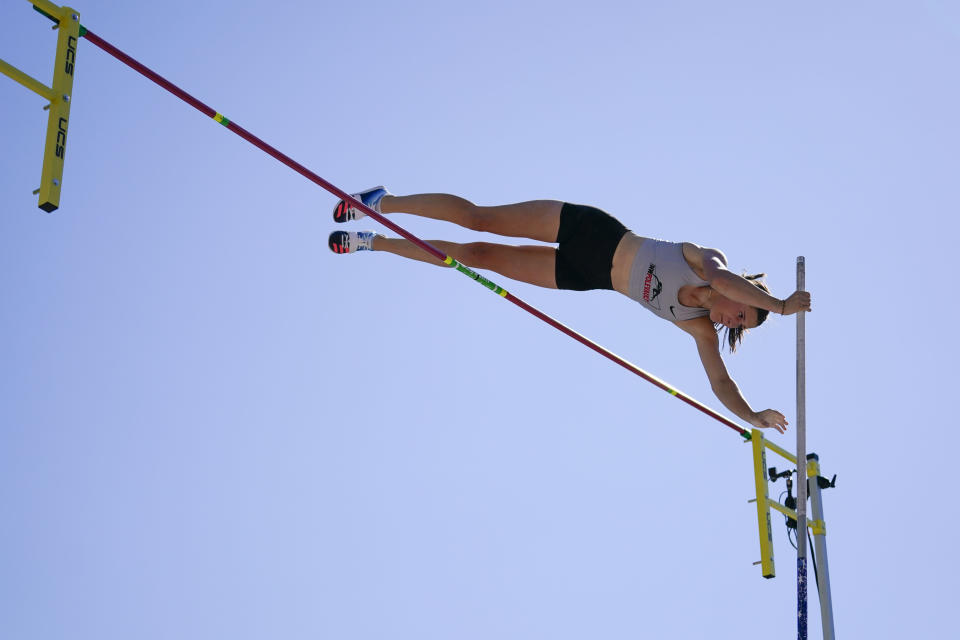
[[479, 254], [476, 218]]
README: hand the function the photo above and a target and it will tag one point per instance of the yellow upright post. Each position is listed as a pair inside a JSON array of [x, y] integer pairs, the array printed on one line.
[[763, 503], [55, 146]]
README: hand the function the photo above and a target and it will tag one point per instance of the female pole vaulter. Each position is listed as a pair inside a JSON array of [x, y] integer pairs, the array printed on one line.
[[681, 282]]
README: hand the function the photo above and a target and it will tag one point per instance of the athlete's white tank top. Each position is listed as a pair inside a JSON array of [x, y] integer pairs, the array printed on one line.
[[658, 272]]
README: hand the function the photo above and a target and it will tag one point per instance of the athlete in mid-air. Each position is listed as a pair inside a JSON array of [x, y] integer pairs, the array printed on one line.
[[681, 282]]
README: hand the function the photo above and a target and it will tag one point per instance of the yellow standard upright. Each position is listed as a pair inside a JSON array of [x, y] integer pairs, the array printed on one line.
[[59, 94], [763, 503]]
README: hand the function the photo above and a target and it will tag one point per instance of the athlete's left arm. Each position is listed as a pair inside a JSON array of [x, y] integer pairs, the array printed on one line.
[[739, 289]]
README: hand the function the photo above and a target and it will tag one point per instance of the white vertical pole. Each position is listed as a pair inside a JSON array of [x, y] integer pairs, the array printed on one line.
[[820, 556], [801, 461]]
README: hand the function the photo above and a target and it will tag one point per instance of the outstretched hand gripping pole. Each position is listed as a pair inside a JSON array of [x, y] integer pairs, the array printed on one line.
[[440, 255]]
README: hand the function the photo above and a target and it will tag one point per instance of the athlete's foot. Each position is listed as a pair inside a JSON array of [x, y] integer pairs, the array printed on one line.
[[343, 212], [351, 241]]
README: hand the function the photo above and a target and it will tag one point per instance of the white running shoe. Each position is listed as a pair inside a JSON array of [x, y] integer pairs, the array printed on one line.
[[351, 241], [371, 197]]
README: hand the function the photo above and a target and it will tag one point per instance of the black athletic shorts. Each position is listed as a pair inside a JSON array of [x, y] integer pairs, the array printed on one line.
[[588, 238]]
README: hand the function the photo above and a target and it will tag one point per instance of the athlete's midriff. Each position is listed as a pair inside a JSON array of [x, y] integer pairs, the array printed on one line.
[[623, 260]]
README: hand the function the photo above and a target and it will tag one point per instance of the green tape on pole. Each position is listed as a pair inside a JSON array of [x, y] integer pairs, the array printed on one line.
[[473, 275]]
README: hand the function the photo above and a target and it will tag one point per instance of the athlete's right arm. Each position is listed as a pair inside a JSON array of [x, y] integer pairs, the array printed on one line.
[[723, 386]]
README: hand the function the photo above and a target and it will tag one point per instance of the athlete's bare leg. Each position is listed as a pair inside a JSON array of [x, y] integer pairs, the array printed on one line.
[[530, 264], [536, 219]]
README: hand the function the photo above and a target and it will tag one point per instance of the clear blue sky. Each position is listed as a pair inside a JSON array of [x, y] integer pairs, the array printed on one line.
[[212, 427]]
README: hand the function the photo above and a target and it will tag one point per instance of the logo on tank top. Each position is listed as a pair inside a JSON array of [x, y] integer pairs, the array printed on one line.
[[652, 287]]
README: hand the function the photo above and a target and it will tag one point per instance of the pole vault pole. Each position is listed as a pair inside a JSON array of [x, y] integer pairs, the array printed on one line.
[[801, 460], [260, 144]]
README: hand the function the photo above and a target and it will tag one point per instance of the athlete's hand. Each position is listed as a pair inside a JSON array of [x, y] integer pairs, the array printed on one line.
[[797, 302], [769, 419]]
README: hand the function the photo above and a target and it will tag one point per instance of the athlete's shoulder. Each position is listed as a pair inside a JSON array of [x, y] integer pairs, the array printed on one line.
[[703, 260]]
